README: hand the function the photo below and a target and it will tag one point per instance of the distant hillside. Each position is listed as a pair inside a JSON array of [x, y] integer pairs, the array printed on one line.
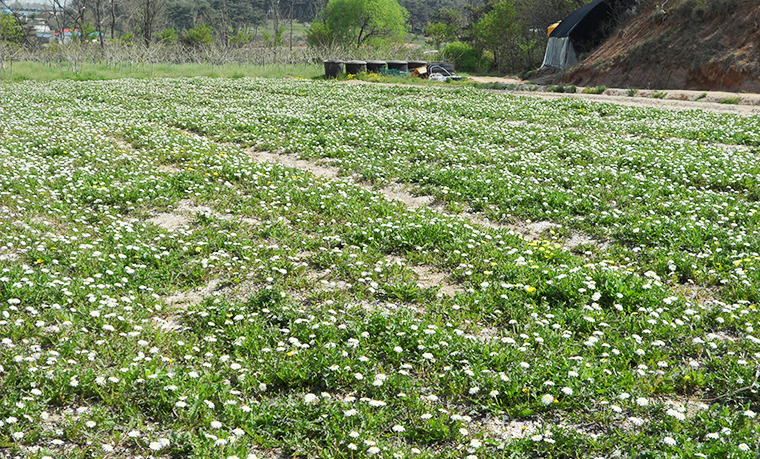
[[680, 44]]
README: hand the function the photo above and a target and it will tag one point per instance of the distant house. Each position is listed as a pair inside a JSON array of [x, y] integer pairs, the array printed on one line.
[[44, 37], [66, 35], [42, 31], [39, 27]]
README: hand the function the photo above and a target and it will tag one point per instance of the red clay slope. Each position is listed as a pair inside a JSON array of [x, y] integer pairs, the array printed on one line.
[[694, 44]]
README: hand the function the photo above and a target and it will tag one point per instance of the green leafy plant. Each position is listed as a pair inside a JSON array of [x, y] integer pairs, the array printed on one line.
[[168, 289], [594, 90], [168, 36], [731, 100], [241, 38], [10, 29], [127, 39], [200, 35], [464, 57], [440, 33], [274, 40]]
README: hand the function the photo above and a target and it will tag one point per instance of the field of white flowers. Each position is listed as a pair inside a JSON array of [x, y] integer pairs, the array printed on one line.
[[584, 284]]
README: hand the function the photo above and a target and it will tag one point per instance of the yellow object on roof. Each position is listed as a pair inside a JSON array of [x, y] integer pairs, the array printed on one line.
[[553, 26]]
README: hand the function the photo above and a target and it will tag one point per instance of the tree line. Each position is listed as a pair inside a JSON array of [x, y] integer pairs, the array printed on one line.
[[151, 21], [502, 35]]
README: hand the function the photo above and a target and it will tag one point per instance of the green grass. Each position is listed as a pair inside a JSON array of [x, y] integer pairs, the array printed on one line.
[[595, 90], [408, 79], [32, 71], [568, 89], [489, 86], [731, 100], [165, 293]]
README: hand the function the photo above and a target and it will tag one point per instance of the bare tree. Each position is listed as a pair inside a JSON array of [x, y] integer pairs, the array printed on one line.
[[290, 19], [112, 6], [149, 16], [99, 12], [69, 14], [224, 26], [274, 11]]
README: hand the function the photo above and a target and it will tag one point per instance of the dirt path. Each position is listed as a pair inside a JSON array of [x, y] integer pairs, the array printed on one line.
[[399, 192], [675, 99]]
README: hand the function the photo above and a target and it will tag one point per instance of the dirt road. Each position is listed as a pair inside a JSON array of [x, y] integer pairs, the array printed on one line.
[[748, 104]]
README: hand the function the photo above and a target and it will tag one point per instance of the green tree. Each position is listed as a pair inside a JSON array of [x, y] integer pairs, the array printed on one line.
[[201, 35], [275, 40], [167, 36], [241, 38], [87, 34], [439, 32], [449, 16], [11, 36], [463, 56], [183, 15], [447, 28], [10, 29], [498, 30], [319, 35], [346, 22], [127, 39]]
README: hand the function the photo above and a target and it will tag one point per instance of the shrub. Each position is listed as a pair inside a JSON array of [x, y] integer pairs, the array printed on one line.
[[703, 10], [167, 36], [524, 75], [274, 40], [595, 90], [10, 28], [659, 95], [199, 36], [319, 35], [240, 39], [497, 86], [568, 89], [632, 91], [731, 100], [127, 39], [464, 56]]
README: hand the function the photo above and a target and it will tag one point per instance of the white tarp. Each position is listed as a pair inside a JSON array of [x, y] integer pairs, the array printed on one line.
[[559, 53]]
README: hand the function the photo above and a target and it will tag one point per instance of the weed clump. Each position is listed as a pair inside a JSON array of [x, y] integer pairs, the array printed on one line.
[[595, 90]]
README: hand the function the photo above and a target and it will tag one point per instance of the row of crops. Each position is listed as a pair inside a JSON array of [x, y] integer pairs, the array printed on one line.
[[166, 295]]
